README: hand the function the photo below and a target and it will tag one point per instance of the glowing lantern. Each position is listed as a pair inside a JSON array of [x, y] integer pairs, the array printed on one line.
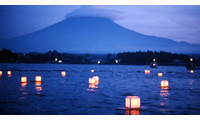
[[116, 61], [23, 84], [191, 59], [56, 59], [96, 78], [60, 61], [132, 102], [91, 81], [154, 60], [147, 71], [191, 71], [38, 78], [23, 79], [98, 62], [63, 73], [0, 72], [160, 74], [92, 70], [9, 72], [164, 83]]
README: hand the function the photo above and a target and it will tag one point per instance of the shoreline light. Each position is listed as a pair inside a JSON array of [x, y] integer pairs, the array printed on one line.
[[164, 83], [38, 78], [9, 72], [154, 60], [60, 61], [91, 81], [98, 62], [92, 70], [191, 71], [63, 73], [160, 74], [23, 79], [147, 71], [191, 59], [0, 72], [132, 102]]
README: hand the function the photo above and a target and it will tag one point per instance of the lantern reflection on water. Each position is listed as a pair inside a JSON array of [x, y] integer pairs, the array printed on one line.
[[160, 74], [132, 102], [38, 88], [63, 73], [164, 93], [91, 81], [132, 112], [23, 79], [38, 78], [147, 71], [23, 84], [38, 83], [92, 86]]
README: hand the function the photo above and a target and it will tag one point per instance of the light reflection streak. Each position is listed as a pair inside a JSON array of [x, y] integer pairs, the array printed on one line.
[[23, 84], [38, 87], [132, 112], [164, 93]]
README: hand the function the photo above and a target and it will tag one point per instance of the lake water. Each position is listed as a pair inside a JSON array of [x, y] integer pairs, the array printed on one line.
[[72, 95]]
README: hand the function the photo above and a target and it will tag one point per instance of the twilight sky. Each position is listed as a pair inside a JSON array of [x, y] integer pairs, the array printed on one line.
[[177, 22]]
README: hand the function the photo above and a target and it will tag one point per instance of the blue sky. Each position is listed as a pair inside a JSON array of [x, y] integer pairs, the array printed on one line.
[[177, 22]]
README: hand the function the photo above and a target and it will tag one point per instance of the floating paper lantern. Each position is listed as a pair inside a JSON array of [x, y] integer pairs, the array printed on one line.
[[96, 78], [191, 71], [160, 74], [147, 71], [23, 79], [38, 78], [9, 72], [63, 73], [154, 60], [132, 102], [92, 70], [91, 81], [164, 83], [0, 72]]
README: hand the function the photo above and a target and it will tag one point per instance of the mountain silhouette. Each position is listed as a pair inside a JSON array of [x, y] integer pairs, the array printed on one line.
[[93, 35]]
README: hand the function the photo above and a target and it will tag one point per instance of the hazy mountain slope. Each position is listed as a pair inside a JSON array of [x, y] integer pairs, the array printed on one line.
[[92, 35]]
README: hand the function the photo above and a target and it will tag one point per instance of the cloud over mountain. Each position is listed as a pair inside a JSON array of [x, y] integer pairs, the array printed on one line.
[[95, 11]]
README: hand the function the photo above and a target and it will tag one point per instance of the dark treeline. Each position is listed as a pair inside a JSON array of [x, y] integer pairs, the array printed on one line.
[[128, 58], [147, 57]]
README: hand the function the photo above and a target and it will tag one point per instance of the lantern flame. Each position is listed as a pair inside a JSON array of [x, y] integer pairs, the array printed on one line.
[[38, 78], [160, 74], [164, 83], [9, 72], [63, 73], [132, 102], [23, 79]]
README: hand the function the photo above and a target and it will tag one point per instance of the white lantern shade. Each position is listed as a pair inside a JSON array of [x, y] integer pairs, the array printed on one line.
[[23, 79], [0, 72], [91, 81], [132, 102], [63, 73], [38, 78], [96, 78], [160, 74], [164, 83], [9, 72]]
